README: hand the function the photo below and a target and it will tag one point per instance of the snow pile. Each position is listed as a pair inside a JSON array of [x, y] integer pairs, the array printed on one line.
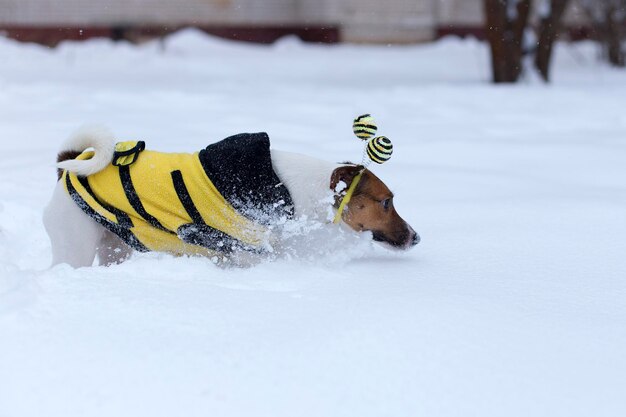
[[512, 304]]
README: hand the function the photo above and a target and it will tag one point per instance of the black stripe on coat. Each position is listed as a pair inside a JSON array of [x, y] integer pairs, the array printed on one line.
[[211, 238], [125, 234], [135, 201], [199, 233], [123, 219], [185, 198]]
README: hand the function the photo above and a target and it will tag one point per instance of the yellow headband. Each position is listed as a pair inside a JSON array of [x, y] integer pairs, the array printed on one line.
[[348, 196]]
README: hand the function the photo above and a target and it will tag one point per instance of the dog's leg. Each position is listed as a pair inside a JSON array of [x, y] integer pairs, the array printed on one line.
[[73, 234], [112, 249]]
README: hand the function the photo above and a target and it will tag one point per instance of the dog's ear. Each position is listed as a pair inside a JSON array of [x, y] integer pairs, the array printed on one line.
[[345, 174]]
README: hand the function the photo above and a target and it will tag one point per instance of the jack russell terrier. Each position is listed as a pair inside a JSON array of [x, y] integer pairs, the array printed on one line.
[[229, 198]]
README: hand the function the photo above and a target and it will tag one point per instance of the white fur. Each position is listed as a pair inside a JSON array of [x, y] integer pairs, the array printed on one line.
[[308, 182], [97, 137], [74, 235]]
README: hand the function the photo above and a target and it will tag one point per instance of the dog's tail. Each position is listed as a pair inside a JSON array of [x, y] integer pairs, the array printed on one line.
[[99, 138]]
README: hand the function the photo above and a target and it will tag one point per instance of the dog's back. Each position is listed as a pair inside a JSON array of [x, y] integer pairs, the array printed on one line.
[[209, 202]]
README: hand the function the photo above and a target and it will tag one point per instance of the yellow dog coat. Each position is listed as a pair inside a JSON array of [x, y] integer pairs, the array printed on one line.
[[222, 198]]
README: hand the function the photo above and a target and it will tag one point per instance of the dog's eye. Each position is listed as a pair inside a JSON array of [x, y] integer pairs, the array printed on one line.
[[386, 203]]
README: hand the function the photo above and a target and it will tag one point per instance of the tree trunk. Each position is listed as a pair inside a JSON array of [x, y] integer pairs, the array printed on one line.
[[614, 35], [548, 33], [505, 34], [608, 28]]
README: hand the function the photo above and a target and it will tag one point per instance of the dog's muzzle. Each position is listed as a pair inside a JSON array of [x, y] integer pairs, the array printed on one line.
[[416, 239], [403, 240]]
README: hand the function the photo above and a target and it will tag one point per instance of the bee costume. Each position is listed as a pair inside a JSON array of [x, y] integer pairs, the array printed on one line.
[[213, 201]]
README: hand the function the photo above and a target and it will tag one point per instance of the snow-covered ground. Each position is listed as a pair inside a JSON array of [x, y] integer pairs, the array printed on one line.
[[514, 304]]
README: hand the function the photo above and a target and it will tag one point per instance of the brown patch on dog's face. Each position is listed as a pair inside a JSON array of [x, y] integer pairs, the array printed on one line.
[[371, 209]]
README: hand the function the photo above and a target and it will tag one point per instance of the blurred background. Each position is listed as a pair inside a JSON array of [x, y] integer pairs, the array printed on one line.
[[514, 28]]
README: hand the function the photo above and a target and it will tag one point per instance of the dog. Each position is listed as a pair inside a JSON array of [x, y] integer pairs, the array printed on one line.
[[230, 198]]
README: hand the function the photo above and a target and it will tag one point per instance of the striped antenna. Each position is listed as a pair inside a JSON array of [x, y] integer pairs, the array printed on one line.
[[364, 127], [379, 149]]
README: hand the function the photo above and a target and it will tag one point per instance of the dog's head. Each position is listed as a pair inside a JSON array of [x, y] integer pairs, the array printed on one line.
[[371, 208]]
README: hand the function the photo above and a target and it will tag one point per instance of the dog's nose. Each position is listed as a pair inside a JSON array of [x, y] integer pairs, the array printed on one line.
[[416, 239]]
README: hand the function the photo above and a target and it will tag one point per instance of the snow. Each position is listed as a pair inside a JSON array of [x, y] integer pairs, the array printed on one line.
[[513, 304]]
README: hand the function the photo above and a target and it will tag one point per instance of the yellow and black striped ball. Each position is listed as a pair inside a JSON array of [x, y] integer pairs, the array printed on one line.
[[379, 149], [364, 127]]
